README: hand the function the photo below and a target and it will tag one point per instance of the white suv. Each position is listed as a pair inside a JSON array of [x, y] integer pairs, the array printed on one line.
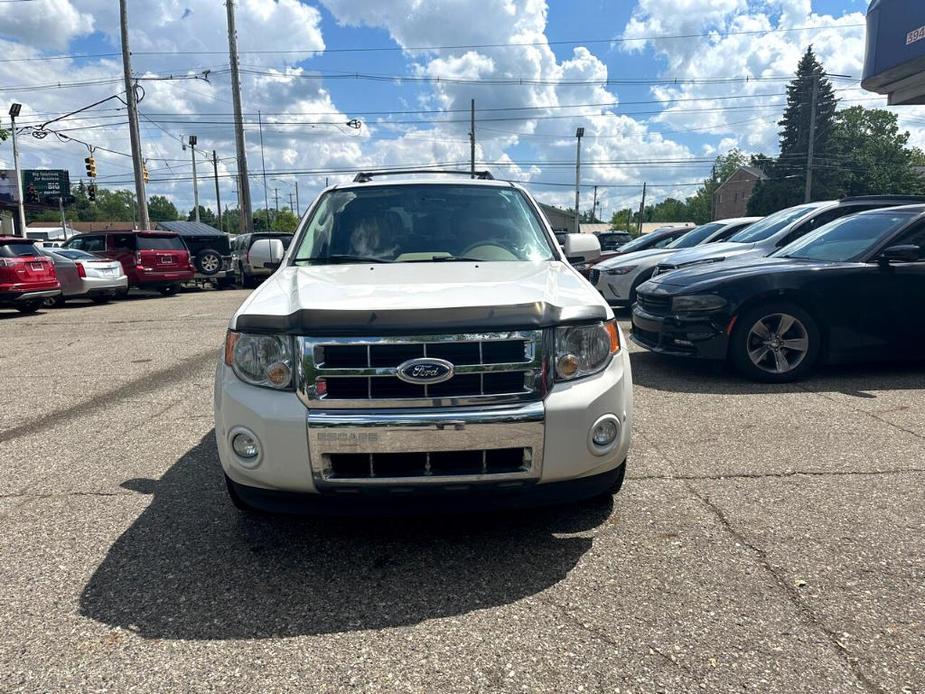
[[423, 343]]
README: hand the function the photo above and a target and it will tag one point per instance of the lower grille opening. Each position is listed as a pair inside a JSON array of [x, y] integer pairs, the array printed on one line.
[[437, 464]]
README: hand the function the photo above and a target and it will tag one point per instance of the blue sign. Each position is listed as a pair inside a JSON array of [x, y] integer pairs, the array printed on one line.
[[895, 59]]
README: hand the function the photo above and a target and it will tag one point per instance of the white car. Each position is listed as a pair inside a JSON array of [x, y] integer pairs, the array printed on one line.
[[85, 276], [618, 277], [423, 343]]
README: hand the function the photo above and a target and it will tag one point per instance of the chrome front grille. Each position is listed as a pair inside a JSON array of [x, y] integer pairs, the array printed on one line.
[[488, 368]]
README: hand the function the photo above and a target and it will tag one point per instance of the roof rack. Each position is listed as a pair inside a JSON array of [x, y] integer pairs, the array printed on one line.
[[367, 176]]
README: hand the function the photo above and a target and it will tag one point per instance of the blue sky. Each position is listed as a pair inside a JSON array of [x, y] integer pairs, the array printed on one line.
[[675, 105]]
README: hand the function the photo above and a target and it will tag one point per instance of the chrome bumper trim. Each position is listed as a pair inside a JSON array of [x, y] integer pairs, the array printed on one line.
[[425, 431]]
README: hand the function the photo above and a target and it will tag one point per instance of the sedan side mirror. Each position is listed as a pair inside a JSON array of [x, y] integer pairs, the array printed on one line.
[[582, 247], [903, 253]]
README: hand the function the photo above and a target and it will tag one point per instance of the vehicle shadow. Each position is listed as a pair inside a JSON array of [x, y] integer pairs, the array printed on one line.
[[191, 567], [680, 375]]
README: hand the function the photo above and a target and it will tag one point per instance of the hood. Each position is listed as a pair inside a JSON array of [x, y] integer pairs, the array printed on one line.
[[715, 251], [697, 278], [381, 298], [630, 258]]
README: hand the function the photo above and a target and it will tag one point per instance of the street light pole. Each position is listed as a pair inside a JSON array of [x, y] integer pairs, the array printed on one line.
[[579, 134], [218, 197], [14, 111], [192, 146]]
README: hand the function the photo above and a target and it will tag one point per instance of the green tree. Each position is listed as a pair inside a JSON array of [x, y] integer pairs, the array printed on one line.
[[787, 174], [873, 153], [160, 209], [621, 220], [230, 220], [114, 205], [285, 220], [206, 215]]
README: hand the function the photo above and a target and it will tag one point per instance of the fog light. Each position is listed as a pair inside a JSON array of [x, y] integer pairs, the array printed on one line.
[[604, 434], [245, 445]]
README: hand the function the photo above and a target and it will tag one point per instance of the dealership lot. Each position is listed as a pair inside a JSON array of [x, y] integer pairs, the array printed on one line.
[[768, 538]]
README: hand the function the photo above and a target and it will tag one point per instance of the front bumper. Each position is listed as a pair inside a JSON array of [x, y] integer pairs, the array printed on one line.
[[295, 440], [703, 337]]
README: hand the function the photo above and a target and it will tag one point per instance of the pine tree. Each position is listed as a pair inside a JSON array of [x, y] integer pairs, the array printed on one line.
[[785, 185]]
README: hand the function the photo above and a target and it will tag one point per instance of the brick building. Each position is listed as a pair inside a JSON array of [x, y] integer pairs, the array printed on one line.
[[730, 199]]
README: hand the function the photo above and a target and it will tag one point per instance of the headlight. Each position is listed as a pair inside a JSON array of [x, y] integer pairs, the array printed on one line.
[[261, 360], [620, 270], [697, 302], [585, 350]]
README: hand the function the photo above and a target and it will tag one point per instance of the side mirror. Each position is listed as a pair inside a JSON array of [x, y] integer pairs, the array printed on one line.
[[904, 253], [267, 253], [582, 247]]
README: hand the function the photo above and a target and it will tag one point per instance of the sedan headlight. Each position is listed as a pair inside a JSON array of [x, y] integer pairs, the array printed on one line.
[[584, 350], [260, 360], [622, 270], [697, 302]]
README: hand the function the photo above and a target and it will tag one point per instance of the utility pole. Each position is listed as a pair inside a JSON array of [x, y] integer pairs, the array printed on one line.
[[266, 192], [642, 207], [134, 132], [218, 197], [276, 198], [63, 218], [192, 146], [472, 138], [808, 188], [291, 208], [579, 134], [14, 111], [594, 206], [246, 216], [298, 207]]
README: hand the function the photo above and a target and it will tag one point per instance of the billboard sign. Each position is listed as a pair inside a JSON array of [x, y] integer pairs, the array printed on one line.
[[8, 192], [45, 186]]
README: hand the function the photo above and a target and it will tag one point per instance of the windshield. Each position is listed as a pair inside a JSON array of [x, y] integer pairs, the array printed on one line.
[[18, 250], [160, 243], [423, 223], [770, 225], [845, 239], [696, 235], [639, 243]]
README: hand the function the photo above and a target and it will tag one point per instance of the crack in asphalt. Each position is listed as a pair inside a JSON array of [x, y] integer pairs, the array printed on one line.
[[775, 475], [859, 410], [143, 385], [791, 593]]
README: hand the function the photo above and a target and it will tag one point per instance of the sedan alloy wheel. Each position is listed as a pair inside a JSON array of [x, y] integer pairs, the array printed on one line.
[[777, 343]]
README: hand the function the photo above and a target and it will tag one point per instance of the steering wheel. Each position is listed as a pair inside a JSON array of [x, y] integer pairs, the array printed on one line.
[[489, 250]]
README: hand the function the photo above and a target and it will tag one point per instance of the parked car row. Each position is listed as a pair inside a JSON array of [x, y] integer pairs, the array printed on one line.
[[831, 282]]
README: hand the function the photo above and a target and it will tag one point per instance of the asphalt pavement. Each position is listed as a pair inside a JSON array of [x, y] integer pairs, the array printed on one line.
[[768, 538]]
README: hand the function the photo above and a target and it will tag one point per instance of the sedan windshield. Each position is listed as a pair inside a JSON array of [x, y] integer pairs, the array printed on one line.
[[423, 223], [696, 235], [770, 225], [847, 238], [641, 242]]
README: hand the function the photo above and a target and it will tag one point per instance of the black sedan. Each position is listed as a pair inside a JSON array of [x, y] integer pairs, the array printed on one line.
[[852, 290]]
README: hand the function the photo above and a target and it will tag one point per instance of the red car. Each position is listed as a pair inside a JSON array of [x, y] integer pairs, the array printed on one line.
[[151, 259], [26, 278]]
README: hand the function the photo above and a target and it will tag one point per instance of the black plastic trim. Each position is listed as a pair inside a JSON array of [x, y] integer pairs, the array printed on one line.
[[335, 323]]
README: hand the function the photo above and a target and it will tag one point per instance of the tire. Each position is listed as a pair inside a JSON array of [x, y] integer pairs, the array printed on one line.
[[248, 281], [29, 306], [169, 290], [226, 283], [208, 261], [761, 351], [99, 299], [237, 501]]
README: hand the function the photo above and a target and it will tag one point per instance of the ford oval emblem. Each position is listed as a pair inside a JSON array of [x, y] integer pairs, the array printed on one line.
[[425, 370]]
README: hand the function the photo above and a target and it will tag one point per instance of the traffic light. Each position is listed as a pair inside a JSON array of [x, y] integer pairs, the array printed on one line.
[[144, 170], [91, 192], [91, 166]]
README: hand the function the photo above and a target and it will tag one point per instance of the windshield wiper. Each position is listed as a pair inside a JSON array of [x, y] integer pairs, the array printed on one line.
[[445, 259], [337, 259]]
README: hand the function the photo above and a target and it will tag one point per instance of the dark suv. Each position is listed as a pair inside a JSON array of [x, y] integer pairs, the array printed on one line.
[[248, 275], [210, 250], [151, 259]]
